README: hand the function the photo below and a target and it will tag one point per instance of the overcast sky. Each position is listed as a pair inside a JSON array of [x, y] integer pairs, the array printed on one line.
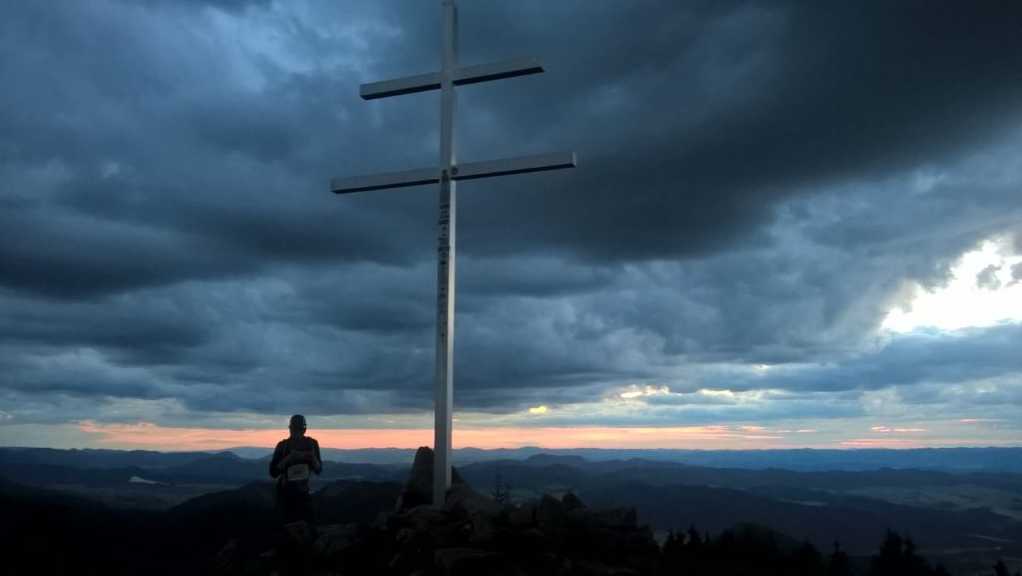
[[792, 224]]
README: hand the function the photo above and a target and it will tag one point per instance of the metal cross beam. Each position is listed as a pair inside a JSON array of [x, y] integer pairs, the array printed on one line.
[[460, 77], [467, 171], [447, 174]]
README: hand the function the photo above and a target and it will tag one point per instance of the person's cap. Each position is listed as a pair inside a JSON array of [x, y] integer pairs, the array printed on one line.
[[297, 422]]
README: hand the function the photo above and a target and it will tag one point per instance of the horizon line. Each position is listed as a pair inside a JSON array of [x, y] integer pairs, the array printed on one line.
[[558, 449]]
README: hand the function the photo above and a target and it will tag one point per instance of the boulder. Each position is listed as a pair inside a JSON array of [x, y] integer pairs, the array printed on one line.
[[301, 532], [418, 490], [333, 540], [550, 514], [462, 498], [420, 518], [429, 526], [598, 569], [522, 516], [467, 561], [228, 560], [572, 502], [617, 517]]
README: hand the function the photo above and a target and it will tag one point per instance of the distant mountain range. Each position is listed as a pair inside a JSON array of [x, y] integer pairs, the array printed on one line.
[[946, 459], [156, 480], [965, 510], [854, 507]]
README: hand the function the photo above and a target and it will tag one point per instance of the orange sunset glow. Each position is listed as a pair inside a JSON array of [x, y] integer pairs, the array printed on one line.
[[152, 436]]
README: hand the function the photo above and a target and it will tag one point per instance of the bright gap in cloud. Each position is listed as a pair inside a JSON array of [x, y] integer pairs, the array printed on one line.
[[985, 290], [634, 392]]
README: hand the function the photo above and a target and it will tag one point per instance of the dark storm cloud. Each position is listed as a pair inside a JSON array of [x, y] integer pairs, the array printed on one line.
[[919, 358], [231, 5], [824, 92], [161, 151], [677, 172], [82, 256], [82, 374], [166, 230], [154, 329]]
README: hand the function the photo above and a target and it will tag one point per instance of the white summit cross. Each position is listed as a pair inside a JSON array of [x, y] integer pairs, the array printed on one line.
[[446, 174]]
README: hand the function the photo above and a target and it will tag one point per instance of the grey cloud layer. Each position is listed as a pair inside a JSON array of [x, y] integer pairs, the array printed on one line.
[[755, 185]]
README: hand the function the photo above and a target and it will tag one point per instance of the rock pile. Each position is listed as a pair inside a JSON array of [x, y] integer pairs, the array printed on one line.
[[474, 535]]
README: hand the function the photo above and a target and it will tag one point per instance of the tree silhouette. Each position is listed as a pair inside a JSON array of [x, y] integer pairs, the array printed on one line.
[[838, 565], [1000, 569], [897, 557], [750, 550]]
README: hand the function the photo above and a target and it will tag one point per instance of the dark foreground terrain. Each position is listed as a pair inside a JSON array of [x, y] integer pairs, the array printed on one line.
[[72, 512]]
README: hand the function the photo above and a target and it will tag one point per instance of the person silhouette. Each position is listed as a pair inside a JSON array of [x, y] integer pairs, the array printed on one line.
[[294, 460]]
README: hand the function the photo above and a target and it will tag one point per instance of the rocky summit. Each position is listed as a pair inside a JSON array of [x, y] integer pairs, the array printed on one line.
[[471, 535]]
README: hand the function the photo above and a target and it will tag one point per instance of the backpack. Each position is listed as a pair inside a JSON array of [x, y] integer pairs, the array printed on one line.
[[295, 476]]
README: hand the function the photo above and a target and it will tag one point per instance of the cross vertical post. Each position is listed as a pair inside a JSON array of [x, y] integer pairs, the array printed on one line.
[[446, 175], [443, 394]]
